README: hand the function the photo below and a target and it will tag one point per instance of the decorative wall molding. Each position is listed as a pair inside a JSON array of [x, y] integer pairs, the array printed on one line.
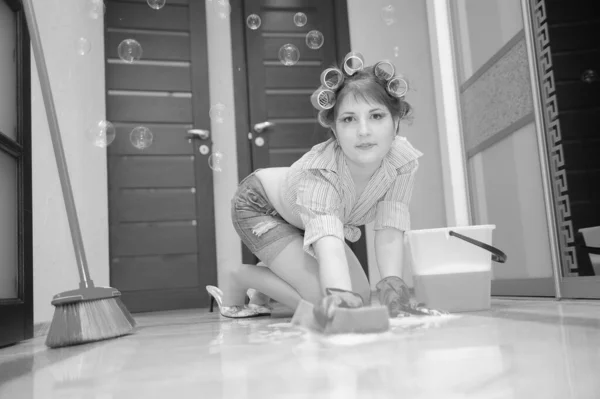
[[554, 148], [493, 60], [500, 98]]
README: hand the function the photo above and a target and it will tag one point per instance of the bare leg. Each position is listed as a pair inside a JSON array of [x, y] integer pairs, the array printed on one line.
[[301, 271], [261, 279], [292, 275], [265, 281]]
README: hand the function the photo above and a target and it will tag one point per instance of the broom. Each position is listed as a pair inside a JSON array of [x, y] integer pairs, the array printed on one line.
[[89, 313]]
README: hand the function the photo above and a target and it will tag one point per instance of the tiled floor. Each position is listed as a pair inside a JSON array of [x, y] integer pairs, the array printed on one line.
[[520, 349]]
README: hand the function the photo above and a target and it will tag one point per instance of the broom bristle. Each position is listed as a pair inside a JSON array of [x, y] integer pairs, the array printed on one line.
[[88, 321]]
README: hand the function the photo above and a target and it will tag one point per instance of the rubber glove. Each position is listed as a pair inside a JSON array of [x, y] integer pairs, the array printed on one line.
[[335, 298], [394, 294]]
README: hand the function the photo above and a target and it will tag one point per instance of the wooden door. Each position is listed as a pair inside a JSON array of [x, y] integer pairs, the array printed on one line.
[[280, 94], [16, 258], [162, 233]]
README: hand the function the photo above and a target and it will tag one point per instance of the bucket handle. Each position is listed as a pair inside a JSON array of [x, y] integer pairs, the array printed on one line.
[[497, 255]]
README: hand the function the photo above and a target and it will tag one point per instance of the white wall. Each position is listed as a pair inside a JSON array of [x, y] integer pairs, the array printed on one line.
[[508, 192], [78, 88], [376, 41], [484, 26], [224, 136]]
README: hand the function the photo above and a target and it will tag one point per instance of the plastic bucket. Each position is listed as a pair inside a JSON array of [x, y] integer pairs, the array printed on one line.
[[452, 267]]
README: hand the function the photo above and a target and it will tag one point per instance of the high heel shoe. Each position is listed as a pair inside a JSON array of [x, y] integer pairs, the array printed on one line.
[[233, 312], [262, 308]]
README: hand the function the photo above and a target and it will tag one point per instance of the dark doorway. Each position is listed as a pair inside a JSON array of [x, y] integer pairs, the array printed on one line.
[[16, 257], [575, 61]]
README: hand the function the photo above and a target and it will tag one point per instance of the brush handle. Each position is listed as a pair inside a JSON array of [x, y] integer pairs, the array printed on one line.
[[59, 153]]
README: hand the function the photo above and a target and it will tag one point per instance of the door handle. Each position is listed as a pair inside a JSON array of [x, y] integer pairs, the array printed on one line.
[[262, 126], [201, 134]]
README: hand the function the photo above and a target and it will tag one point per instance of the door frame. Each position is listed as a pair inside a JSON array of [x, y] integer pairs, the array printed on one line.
[[17, 313], [241, 103]]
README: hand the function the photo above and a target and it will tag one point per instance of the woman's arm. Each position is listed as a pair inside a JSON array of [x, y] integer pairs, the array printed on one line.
[[333, 265], [389, 250]]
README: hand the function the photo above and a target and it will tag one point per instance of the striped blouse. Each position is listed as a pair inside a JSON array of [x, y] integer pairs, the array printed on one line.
[[319, 189]]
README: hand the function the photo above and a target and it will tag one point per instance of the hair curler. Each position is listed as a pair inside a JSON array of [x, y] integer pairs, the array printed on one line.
[[321, 119], [332, 78], [323, 98], [397, 87], [384, 70], [353, 62]]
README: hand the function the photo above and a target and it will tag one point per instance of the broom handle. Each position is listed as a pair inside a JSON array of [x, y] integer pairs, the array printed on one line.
[[61, 162]]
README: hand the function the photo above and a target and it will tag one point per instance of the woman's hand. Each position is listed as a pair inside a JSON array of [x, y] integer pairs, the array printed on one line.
[[395, 295], [324, 311], [418, 309]]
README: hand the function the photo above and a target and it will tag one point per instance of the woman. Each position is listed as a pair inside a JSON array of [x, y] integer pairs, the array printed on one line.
[[295, 219]]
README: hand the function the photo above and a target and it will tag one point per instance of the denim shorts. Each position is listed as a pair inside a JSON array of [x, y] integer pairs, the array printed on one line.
[[258, 224]]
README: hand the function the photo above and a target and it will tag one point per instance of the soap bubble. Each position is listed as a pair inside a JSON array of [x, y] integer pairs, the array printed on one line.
[[289, 54], [156, 4], [141, 137], [300, 19], [217, 113], [215, 160], [253, 21], [589, 76], [222, 8], [83, 46], [396, 51], [130, 50], [314, 39], [388, 14], [102, 134], [97, 9]]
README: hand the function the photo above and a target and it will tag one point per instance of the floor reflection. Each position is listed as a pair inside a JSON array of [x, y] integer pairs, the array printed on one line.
[[519, 349]]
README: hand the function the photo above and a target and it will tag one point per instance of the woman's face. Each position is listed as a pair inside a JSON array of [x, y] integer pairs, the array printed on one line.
[[365, 131]]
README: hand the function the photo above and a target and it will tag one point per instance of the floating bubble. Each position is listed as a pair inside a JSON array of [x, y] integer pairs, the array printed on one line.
[[130, 50], [300, 19], [217, 113], [222, 8], [141, 137], [289, 54], [102, 134], [314, 39], [589, 76], [396, 51], [97, 9], [388, 14], [83, 46], [156, 4], [215, 161], [253, 21]]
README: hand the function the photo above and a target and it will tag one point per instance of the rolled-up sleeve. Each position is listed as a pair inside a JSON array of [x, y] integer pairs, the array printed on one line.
[[392, 210], [320, 207]]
